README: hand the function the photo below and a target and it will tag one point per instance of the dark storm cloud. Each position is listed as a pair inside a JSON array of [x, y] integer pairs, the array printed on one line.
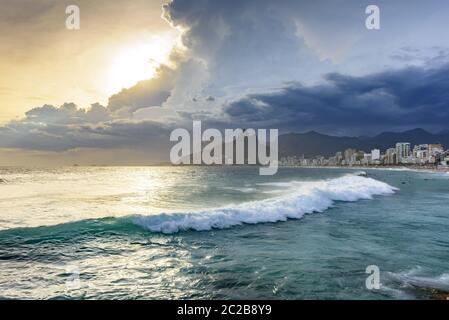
[[256, 42], [399, 99], [242, 42], [68, 113], [146, 93], [59, 137], [394, 100]]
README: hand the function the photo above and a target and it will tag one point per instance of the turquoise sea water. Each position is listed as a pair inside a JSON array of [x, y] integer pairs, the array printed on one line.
[[222, 232]]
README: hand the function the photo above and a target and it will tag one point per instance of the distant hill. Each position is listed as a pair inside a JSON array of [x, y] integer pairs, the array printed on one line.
[[312, 143]]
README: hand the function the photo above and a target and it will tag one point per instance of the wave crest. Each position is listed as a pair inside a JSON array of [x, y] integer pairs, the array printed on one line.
[[304, 198]]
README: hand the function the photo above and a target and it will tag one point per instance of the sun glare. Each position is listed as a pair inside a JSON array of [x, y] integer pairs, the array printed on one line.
[[138, 61]]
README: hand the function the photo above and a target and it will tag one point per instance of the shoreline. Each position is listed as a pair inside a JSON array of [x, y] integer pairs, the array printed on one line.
[[431, 169]]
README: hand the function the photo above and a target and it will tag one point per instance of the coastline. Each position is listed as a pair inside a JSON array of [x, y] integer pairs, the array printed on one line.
[[431, 169]]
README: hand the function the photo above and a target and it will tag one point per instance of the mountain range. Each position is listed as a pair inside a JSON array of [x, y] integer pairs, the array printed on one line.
[[311, 144]]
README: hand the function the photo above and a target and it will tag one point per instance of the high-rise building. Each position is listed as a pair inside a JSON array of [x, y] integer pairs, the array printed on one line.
[[348, 154], [402, 151], [391, 156], [375, 154], [435, 152], [421, 153], [339, 158], [435, 148], [367, 159]]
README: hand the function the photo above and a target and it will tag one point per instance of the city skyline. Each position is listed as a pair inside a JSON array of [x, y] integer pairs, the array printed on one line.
[[433, 154]]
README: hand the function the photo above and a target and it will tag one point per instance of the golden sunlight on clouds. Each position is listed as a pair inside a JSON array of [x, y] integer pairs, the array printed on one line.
[[41, 62], [139, 61]]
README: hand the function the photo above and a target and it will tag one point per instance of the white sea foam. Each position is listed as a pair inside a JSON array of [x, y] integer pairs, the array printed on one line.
[[394, 169], [302, 198], [440, 282], [242, 189], [287, 184]]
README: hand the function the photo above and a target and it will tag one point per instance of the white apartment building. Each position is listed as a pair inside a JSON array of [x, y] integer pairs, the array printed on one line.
[[375, 154]]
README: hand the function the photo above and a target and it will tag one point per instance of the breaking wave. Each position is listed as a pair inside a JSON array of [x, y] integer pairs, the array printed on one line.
[[411, 279], [300, 199]]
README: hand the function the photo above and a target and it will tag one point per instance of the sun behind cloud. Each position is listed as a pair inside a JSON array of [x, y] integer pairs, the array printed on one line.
[[138, 61]]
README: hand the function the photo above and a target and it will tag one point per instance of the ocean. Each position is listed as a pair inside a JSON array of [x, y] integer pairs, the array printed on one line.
[[222, 233]]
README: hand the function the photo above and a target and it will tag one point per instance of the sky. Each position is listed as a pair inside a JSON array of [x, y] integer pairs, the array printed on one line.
[[112, 91]]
